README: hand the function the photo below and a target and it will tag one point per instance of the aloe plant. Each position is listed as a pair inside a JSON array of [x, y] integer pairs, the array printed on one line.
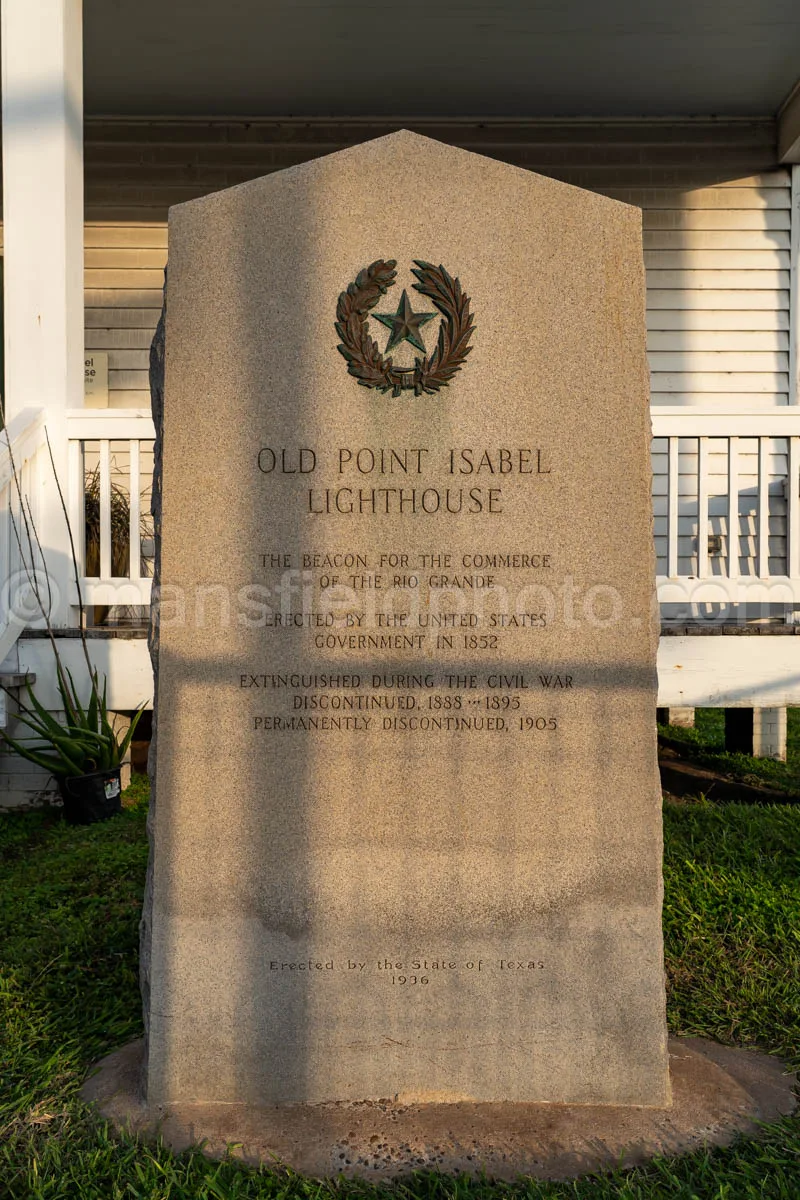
[[87, 742]]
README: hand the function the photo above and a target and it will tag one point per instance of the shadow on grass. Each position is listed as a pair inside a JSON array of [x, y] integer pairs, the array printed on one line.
[[704, 745]]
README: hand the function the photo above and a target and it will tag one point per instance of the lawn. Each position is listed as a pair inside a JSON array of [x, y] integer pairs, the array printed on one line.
[[69, 906]]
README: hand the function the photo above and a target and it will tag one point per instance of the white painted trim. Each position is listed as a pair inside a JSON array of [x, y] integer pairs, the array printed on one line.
[[789, 127], [25, 434], [124, 663], [9, 635], [118, 425], [111, 591], [686, 590], [729, 672], [680, 421]]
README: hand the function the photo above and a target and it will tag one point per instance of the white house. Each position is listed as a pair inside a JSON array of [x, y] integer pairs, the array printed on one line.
[[690, 110]]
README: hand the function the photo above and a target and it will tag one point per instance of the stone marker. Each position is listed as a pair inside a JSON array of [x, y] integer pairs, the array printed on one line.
[[407, 838]]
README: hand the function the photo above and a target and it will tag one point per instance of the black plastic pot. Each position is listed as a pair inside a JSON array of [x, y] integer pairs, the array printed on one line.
[[91, 798]]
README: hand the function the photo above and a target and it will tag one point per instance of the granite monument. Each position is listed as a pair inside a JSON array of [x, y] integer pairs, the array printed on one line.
[[407, 830]]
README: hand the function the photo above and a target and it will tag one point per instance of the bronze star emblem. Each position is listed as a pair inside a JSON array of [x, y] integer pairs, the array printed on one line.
[[405, 324], [364, 360]]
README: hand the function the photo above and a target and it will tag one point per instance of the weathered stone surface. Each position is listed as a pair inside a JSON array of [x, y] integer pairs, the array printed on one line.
[[718, 1092], [394, 857], [157, 355]]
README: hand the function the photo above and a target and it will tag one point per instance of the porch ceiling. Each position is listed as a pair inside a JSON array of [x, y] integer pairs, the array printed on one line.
[[527, 58]]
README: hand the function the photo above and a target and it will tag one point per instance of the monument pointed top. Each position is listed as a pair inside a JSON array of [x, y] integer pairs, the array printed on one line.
[[418, 160]]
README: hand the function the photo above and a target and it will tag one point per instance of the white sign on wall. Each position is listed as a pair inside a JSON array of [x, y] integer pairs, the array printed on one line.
[[95, 379]]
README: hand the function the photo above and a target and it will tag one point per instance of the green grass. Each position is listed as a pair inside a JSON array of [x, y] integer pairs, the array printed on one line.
[[69, 906], [705, 745]]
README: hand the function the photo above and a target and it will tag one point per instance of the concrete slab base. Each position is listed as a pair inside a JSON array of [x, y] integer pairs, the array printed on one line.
[[717, 1092]]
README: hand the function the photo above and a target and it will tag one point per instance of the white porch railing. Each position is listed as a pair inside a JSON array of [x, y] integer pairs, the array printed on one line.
[[726, 500], [726, 497], [110, 476]]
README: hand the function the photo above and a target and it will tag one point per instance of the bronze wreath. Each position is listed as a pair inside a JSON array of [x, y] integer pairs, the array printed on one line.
[[365, 361]]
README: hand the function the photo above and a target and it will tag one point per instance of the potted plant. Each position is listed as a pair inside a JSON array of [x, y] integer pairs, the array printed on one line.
[[84, 754]]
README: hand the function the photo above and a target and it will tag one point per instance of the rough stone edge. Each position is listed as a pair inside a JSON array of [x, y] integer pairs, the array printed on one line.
[[749, 1088], [157, 359]]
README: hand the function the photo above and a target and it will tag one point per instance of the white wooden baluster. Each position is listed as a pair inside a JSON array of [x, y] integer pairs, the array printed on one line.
[[733, 507], [105, 509], [13, 516], [5, 547], [762, 569], [793, 509], [672, 510], [26, 533], [134, 569], [76, 503], [702, 508]]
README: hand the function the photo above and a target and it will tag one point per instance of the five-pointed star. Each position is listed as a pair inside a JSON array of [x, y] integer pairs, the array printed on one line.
[[404, 324]]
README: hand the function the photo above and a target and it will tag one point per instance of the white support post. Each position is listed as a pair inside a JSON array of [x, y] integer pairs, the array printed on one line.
[[42, 131], [769, 733]]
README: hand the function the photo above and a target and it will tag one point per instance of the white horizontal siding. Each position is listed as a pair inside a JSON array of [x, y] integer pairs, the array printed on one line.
[[124, 275], [729, 260], [145, 278], [745, 195], [117, 316], [717, 361], [125, 297], [715, 240], [706, 343], [717, 256], [114, 335], [724, 401], [691, 278], [742, 299], [775, 220], [718, 274], [136, 237]]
